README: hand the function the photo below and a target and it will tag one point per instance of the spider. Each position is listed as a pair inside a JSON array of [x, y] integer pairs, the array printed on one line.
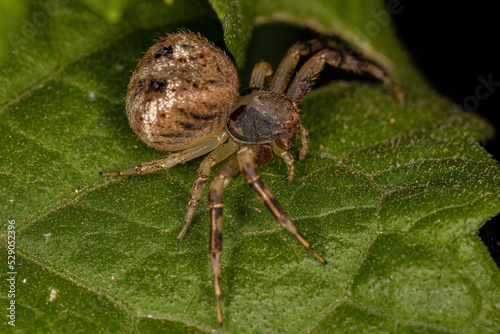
[[183, 97]]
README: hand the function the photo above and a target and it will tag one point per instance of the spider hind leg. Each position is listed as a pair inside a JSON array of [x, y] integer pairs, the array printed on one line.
[[306, 76], [324, 51]]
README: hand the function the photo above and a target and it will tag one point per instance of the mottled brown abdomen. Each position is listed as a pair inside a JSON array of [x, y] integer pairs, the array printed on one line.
[[181, 92]]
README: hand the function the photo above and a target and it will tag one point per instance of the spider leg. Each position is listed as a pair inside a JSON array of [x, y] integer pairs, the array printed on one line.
[[288, 158], [308, 73], [304, 138], [260, 71], [219, 154], [287, 66], [357, 65], [176, 158], [226, 174], [249, 171]]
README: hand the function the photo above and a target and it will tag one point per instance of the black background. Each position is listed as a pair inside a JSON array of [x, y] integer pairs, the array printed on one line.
[[453, 45]]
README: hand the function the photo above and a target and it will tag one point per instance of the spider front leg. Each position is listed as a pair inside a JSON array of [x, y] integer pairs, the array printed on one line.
[[227, 173], [219, 154], [175, 158], [246, 161], [304, 138], [288, 158]]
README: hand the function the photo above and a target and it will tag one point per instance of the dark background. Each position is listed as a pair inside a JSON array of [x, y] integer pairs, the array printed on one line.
[[453, 46]]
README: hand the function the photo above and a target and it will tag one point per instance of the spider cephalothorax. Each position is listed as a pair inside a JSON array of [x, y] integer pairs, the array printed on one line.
[[262, 116], [183, 96]]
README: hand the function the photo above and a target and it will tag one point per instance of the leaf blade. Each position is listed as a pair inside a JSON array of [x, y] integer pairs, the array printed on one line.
[[381, 179]]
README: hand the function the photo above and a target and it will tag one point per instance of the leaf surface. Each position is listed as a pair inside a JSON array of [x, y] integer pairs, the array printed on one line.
[[390, 194]]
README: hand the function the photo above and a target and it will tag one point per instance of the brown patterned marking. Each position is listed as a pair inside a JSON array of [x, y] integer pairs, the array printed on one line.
[[180, 91], [156, 85], [204, 117], [140, 86], [164, 50], [172, 135], [188, 126]]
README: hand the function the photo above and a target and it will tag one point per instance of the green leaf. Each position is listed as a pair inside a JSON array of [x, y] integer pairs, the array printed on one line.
[[390, 194], [112, 10], [13, 12]]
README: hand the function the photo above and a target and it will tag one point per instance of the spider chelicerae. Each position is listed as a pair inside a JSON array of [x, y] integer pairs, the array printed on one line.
[[183, 97]]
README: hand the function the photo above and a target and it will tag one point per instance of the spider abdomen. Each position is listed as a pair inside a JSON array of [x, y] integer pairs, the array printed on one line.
[[181, 92], [262, 116]]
